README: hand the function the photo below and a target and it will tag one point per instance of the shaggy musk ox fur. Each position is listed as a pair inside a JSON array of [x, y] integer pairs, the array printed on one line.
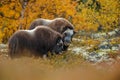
[[39, 41], [58, 24]]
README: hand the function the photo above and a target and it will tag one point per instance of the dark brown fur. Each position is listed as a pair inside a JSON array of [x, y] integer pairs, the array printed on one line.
[[57, 24], [41, 40]]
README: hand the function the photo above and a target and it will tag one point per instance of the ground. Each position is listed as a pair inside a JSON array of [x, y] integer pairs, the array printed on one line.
[[89, 57]]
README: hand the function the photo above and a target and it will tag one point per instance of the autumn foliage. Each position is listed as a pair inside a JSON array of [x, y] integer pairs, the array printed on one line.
[[84, 14]]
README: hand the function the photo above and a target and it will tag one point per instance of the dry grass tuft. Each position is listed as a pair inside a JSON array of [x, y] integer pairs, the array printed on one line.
[[57, 67]]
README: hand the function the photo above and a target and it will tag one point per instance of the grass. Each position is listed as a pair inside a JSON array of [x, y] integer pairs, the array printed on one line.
[[30, 68], [58, 67], [67, 66]]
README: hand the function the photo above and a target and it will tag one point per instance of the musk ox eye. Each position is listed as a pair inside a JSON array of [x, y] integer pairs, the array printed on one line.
[[65, 34], [64, 29], [58, 39], [60, 42]]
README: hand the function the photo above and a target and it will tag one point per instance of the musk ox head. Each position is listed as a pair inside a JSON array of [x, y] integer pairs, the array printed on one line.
[[64, 27], [67, 38], [58, 47], [68, 35]]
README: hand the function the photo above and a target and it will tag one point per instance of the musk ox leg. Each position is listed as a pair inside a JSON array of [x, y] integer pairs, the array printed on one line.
[[45, 56], [65, 48], [13, 47]]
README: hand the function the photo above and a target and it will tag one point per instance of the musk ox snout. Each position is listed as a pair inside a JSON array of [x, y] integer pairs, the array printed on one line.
[[58, 47], [68, 34]]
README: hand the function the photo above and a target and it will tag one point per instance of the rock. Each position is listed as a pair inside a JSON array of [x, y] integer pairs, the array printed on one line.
[[101, 53], [98, 35], [115, 32], [105, 50], [104, 45], [112, 33], [2, 46], [76, 50], [98, 56], [79, 50], [92, 54], [76, 39], [119, 46], [115, 48]]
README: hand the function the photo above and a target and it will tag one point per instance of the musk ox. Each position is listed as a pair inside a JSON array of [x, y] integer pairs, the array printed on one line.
[[39, 41], [60, 25]]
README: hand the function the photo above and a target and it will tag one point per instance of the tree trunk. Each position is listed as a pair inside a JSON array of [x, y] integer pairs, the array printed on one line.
[[23, 4]]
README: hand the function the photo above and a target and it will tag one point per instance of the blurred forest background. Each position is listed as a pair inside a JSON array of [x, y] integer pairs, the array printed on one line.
[[94, 53], [86, 15]]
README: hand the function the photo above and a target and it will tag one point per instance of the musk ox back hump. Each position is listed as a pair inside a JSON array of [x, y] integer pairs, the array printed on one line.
[[39, 22], [39, 41], [57, 24]]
